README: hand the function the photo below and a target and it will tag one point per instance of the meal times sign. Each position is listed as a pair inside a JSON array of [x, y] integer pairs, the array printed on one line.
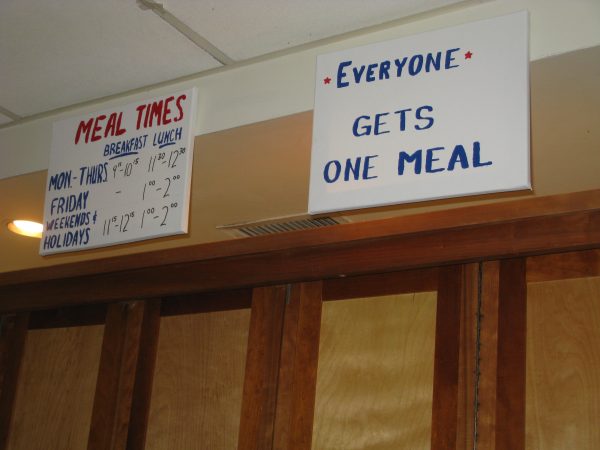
[[436, 115], [120, 175]]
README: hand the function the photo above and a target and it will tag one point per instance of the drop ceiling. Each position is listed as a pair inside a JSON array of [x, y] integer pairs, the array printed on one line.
[[59, 53]]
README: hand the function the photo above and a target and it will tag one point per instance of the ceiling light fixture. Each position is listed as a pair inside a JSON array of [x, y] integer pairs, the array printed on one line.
[[26, 228]]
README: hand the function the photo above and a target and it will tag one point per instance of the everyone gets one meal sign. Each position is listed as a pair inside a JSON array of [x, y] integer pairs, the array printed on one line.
[[436, 115]]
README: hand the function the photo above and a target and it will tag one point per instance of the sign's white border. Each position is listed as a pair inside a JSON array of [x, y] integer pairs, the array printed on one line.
[[430, 116], [120, 175]]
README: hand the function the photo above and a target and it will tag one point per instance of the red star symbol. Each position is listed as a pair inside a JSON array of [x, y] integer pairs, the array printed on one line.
[[327, 80], [468, 54]]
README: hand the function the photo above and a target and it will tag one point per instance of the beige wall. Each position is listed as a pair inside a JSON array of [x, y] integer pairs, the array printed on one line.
[[565, 158]]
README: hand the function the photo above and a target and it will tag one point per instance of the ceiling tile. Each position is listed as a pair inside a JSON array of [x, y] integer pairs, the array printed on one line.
[[244, 29], [61, 52]]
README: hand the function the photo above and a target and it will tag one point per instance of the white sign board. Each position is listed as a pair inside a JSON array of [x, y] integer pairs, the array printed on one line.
[[435, 115], [120, 175]]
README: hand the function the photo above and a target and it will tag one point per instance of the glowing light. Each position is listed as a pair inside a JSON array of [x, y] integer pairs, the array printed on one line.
[[26, 228]]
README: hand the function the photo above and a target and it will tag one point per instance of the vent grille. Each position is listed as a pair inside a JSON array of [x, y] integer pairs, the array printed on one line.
[[280, 225]]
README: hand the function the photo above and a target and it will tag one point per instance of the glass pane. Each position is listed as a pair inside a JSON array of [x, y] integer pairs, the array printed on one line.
[[375, 373], [198, 382], [563, 364], [55, 392]]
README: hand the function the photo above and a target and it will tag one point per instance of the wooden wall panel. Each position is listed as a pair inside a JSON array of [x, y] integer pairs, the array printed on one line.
[[563, 365], [56, 388], [375, 373], [197, 392]]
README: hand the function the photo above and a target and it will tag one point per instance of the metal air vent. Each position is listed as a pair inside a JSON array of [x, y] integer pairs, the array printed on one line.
[[280, 225]]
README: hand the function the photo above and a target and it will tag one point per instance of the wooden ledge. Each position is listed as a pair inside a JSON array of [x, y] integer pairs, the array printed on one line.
[[517, 228]]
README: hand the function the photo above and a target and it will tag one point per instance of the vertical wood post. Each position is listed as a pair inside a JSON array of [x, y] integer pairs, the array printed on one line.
[[511, 369], [446, 365], [117, 374], [259, 396], [13, 335], [486, 414], [281, 368], [468, 357], [144, 376], [298, 368]]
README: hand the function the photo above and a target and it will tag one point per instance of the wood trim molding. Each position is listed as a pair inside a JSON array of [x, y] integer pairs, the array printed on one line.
[[470, 216], [408, 281], [207, 302], [520, 228], [561, 266], [71, 316]]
